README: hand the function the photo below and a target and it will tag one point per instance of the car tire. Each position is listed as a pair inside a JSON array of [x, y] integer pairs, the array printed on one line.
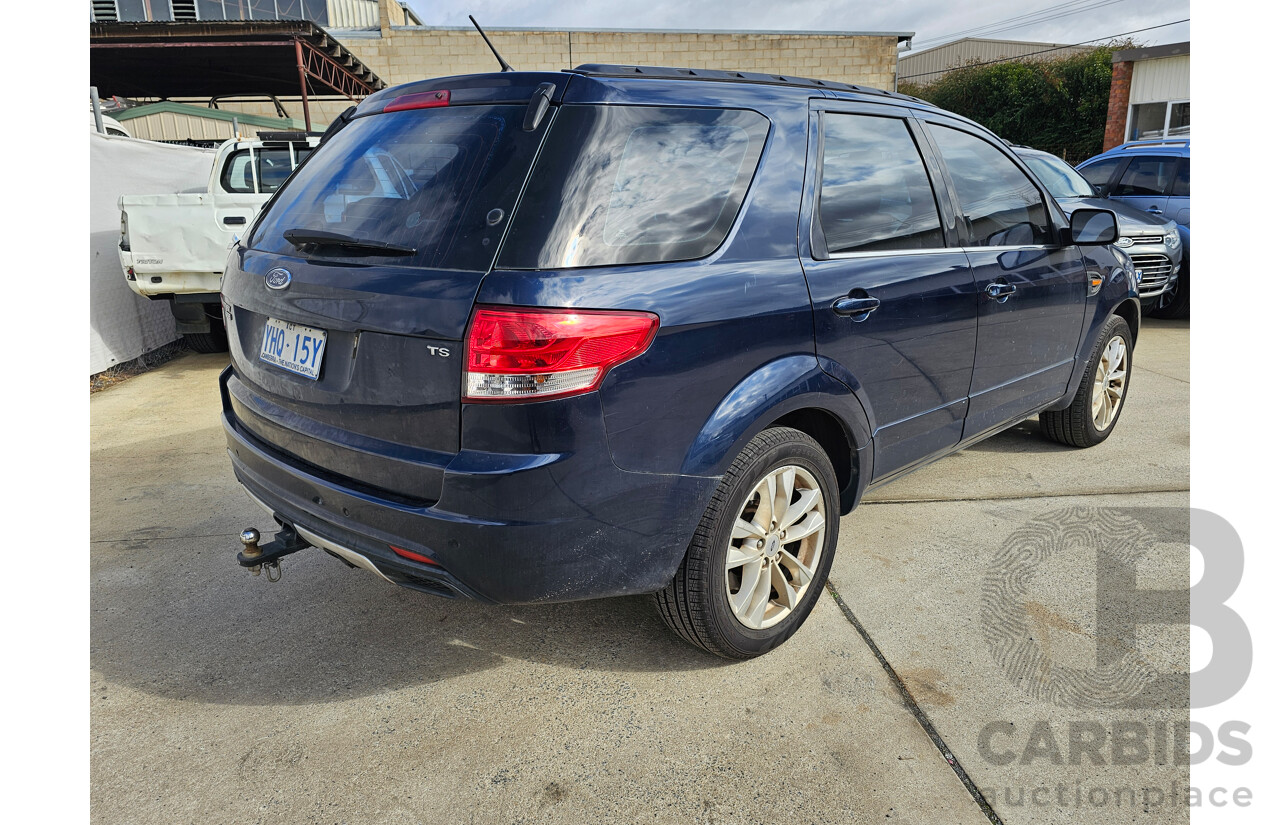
[[741, 589], [1099, 401], [1175, 304], [215, 340]]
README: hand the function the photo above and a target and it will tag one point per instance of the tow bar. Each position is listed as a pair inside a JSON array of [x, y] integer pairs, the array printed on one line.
[[267, 557]]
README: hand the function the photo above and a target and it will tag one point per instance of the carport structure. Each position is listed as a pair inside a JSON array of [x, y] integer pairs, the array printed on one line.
[[213, 59]]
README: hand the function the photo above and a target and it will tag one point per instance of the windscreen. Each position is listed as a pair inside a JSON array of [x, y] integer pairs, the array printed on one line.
[[437, 184], [632, 184], [1060, 179]]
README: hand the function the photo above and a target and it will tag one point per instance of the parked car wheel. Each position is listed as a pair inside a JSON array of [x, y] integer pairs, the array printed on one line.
[[215, 340], [1176, 303], [760, 556], [1096, 408]]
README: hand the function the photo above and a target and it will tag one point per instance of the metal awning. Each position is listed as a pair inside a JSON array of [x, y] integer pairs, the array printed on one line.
[[217, 58]]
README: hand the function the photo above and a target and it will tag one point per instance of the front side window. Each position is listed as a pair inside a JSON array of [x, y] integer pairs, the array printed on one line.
[[631, 184], [1182, 180], [1100, 173], [1001, 206], [1147, 177], [875, 193]]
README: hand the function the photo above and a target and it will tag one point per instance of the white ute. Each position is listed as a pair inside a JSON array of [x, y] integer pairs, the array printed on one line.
[[174, 247]]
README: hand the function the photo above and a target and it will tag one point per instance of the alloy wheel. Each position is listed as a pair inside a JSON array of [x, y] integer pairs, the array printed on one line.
[[1109, 383], [775, 547]]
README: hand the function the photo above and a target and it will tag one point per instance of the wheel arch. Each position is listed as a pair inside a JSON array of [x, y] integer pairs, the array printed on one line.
[[789, 392], [1131, 311]]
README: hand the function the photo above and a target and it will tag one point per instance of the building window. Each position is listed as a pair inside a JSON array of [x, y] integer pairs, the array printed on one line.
[[100, 10], [1152, 121]]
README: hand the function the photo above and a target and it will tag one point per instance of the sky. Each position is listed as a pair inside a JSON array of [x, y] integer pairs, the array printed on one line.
[[934, 22]]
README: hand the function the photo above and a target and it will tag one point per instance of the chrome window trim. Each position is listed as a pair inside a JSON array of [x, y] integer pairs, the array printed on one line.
[[884, 253]]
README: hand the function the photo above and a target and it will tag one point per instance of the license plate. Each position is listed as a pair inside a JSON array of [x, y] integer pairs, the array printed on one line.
[[293, 347]]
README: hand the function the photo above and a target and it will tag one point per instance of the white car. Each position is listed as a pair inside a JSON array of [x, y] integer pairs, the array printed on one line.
[[174, 247]]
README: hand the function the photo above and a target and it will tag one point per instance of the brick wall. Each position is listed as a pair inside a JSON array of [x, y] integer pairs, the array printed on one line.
[[405, 54], [1118, 104], [400, 54]]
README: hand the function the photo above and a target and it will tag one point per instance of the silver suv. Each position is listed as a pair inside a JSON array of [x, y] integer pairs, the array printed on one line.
[[1151, 242]]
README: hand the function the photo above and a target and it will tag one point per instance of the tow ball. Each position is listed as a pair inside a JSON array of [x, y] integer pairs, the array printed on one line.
[[267, 557]]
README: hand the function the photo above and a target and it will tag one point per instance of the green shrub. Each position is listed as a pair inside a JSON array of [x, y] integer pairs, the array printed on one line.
[[1057, 105]]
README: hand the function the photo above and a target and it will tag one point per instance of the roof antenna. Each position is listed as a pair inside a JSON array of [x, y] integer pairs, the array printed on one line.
[[506, 67]]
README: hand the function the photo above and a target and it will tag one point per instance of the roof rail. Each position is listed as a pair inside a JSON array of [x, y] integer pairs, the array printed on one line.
[[1142, 144], [730, 76]]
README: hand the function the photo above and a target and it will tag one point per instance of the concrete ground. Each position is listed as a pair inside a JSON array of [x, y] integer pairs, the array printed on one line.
[[335, 697]]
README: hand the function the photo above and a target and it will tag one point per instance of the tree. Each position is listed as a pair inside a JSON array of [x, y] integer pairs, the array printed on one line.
[[1057, 105]]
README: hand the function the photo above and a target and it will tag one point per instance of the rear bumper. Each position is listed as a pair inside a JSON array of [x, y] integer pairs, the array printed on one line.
[[154, 280], [506, 529]]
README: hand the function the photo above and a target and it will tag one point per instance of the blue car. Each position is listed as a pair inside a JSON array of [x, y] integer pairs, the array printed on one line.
[[1153, 176], [544, 336]]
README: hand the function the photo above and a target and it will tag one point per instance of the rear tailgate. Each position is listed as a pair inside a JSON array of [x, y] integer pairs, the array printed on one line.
[[180, 233], [383, 411], [392, 225]]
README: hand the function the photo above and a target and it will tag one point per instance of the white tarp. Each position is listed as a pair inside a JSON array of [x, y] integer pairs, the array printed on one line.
[[123, 325]]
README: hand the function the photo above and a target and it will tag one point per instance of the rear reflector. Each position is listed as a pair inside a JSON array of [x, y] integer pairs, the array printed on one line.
[[421, 100], [412, 556], [536, 354]]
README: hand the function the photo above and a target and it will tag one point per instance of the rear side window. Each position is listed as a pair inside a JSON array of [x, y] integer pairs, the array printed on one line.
[[439, 184], [629, 185], [1099, 173], [1147, 176], [875, 193], [1001, 206]]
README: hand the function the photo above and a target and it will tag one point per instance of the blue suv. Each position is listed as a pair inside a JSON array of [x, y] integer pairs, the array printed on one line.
[[531, 337], [1153, 176]]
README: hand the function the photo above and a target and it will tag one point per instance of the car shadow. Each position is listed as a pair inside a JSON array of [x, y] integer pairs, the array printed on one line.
[[179, 619], [1024, 437]]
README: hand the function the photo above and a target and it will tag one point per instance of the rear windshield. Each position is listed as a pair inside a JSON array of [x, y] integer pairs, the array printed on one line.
[[631, 184], [441, 182]]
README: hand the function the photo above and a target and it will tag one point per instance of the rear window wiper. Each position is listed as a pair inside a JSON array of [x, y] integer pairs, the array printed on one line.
[[317, 237]]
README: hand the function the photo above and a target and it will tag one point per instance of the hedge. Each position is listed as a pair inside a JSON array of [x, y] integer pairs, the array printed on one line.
[[1057, 105]]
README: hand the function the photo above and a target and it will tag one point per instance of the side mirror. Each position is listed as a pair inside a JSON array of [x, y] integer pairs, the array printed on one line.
[[1094, 227]]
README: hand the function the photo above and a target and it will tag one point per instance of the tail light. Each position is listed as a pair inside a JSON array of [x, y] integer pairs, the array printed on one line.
[[535, 354]]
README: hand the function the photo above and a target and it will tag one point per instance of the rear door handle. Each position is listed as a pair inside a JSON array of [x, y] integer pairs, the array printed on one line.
[[1000, 292], [858, 308], [1155, 210], [234, 220]]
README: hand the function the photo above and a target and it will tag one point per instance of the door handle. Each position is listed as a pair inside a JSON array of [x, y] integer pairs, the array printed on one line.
[[857, 308], [1000, 292], [234, 220], [1155, 210]]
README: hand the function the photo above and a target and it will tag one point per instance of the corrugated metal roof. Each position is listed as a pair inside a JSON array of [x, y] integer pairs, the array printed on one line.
[[930, 64]]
